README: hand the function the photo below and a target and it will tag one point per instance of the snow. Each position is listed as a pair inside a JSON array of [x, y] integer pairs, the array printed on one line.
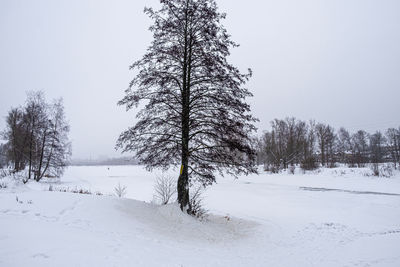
[[264, 220]]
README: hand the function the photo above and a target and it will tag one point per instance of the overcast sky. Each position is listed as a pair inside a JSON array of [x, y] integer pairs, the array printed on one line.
[[336, 61]]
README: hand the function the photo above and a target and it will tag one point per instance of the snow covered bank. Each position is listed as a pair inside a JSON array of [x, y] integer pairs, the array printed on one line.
[[62, 229], [265, 220]]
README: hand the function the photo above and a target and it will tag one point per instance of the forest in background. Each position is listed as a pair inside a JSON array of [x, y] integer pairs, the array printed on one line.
[[310, 145]]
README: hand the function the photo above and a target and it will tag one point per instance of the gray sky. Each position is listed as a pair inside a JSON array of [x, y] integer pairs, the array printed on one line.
[[336, 61]]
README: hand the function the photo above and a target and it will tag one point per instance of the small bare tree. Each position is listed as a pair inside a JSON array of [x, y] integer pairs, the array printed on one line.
[[165, 189], [120, 191]]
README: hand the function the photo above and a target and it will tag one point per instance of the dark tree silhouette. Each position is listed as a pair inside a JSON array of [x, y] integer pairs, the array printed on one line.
[[393, 138], [3, 159], [194, 112], [16, 133], [326, 141], [37, 137], [289, 142]]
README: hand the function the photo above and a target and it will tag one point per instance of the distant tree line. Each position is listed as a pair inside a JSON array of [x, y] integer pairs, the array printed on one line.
[[309, 144], [36, 137], [119, 161]]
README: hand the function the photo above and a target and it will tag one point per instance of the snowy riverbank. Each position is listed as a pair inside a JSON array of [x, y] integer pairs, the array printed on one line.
[[335, 217]]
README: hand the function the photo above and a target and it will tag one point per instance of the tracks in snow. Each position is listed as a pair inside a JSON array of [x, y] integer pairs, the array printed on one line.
[[317, 189]]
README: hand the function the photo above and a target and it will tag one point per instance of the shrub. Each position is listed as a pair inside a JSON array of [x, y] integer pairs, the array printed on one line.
[[375, 169], [120, 191], [309, 164], [4, 173], [292, 169], [3, 185], [165, 189], [196, 203], [73, 190], [81, 191], [385, 170], [271, 168]]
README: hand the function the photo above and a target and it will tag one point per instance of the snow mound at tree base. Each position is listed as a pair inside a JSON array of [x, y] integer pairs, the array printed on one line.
[[169, 220]]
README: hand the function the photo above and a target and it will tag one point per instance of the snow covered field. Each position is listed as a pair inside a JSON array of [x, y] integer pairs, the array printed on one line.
[[335, 217]]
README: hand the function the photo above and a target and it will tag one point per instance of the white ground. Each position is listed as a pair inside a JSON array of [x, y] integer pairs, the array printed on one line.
[[265, 220]]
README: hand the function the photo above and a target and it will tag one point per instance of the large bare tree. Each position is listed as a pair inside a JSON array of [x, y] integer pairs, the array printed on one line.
[[194, 114]]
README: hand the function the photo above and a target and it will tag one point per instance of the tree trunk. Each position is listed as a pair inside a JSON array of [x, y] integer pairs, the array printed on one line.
[[16, 166], [30, 151], [183, 181], [183, 187], [48, 161], [39, 173]]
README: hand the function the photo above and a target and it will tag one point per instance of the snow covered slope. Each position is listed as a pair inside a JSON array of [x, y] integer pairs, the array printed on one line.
[[265, 220], [61, 229]]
